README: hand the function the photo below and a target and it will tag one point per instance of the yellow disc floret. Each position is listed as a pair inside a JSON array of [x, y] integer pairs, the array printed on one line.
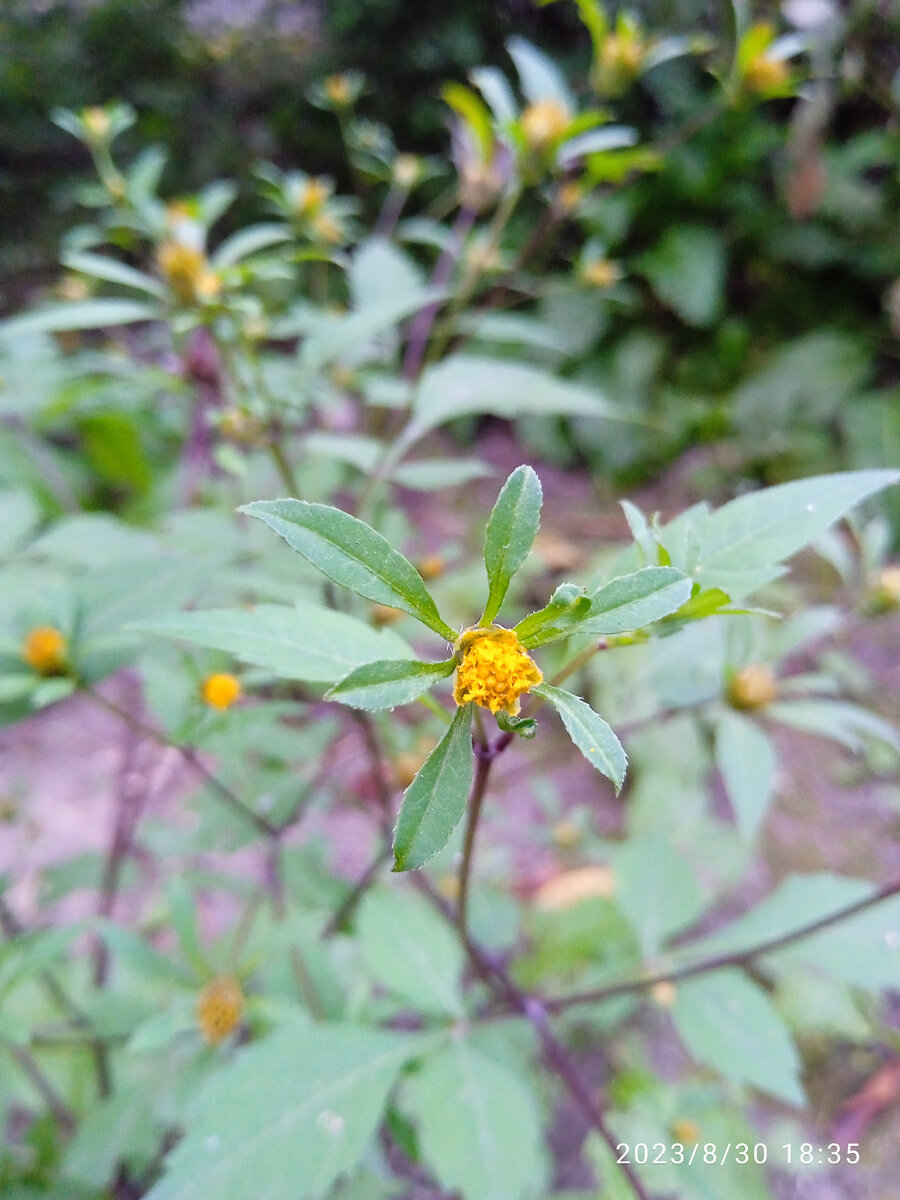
[[45, 650], [220, 691], [494, 670], [220, 1007], [753, 687], [544, 122], [186, 271]]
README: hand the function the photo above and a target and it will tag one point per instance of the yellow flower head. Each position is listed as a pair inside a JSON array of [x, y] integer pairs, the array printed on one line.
[[96, 122], [601, 273], [753, 687], [543, 122], [220, 1007], [337, 89], [220, 691], [186, 271], [622, 54], [326, 228], [45, 650], [406, 170], [494, 670], [763, 75]]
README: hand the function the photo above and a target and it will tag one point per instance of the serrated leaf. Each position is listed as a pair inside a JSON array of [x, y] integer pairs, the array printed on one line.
[[86, 314], [119, 1128], [436, 799], [746, 760], [385, 684], [730, 1024], [464, 384], [756, 532], [304, 642], [633, 601], [352, 554], [656, 890], [287, 1116], [589, 732], [412, 951], [511, 529], [479, 1125]]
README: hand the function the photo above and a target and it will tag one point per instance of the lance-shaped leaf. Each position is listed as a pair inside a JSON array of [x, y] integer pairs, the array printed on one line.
[[386, 683], [510, 532], [634, 601], [746, 759], [352, 554], [564, 612], [436, 798], [589, 732]]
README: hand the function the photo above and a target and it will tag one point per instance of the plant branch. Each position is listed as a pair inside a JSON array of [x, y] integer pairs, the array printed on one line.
[[63, 1115], [735, 958], [229, 798], [424, 320], [483, 761]]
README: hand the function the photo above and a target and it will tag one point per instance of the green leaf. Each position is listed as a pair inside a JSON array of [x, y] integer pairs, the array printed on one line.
[[511, 530], [479, 1125], [332, 337], [464, 384], [249, 241], [656, 890], [589, 732], [287, 1116], [561, 616], [120, 1128], [633, 601], [412, 951], [87, 314], [469, 106], [686, 270], [730, 1024], [352, 554], [860, 950], [384, 684], [746, 759], [436, 798], [381, 273], [758, 531], [109, 269], [304, 642], [848, 724], [539, 77]]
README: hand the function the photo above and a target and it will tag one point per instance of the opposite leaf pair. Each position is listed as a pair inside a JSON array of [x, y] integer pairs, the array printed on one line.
[[492, 663]]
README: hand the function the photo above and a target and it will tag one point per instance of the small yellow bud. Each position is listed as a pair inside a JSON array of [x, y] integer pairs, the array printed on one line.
[[327, 228], [96, 122], [685, 1131], [601, 273], [569, 888], [240, 427], [220, 1007], [494, 670], [311, 196], [884, 590], [431, 567], [407, 169], [569, 196], [480, 184], [186, 271], [220, 691], [566, 834], [448, 886], [752, 687], [664, 993], [71, 288], [408, 763], [45, 650], [622, 55], [337, 89], [763, 75], [383, 614], [543, 123]]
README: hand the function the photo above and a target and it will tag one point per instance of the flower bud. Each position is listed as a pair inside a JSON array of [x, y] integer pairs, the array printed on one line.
[[46, 651], [220, 1008], [752, 687], [220, 691]]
